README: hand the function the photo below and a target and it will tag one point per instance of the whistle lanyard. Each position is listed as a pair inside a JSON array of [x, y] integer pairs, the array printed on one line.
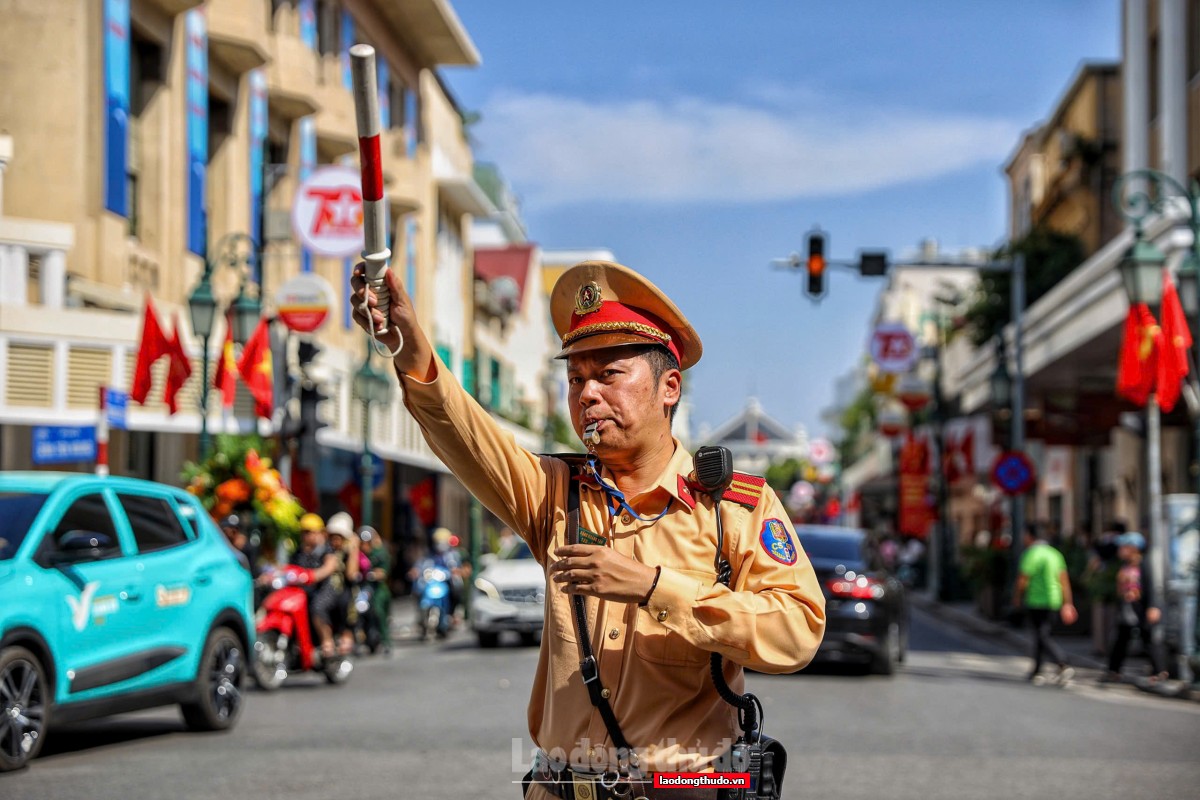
[[617, 497]]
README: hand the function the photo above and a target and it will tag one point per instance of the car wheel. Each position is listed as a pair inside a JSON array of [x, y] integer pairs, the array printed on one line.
[[269, 658], [889, 651], [23, 702], [529, 639], [488, 639], [219, 683]]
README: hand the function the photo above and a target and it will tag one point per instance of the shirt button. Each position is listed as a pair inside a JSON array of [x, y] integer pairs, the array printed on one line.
[[605, 693], [614, 633], [626, 519], [662, 616]]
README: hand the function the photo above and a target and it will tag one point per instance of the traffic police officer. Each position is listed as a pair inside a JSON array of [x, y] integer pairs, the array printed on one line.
[[644, 551]]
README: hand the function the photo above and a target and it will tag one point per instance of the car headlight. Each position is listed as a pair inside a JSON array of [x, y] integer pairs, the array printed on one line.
[[487, 588]]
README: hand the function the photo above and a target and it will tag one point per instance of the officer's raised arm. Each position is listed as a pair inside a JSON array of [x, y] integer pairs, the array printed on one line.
[[509, 480]]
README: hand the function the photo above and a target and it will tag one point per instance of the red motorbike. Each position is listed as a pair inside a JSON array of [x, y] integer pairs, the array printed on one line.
[[285, 635]]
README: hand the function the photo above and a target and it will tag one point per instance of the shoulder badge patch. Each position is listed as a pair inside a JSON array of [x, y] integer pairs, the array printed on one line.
[[776, 540], [745, 489], [685, 492]]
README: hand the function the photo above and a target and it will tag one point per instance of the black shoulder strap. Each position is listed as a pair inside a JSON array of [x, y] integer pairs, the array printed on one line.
[[587, 664]]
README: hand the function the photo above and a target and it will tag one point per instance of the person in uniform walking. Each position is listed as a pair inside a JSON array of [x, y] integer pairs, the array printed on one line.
[[1045, 589], [643, 554]]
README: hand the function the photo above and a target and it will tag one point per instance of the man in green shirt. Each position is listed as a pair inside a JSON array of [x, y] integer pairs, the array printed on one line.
[[1045, 588]]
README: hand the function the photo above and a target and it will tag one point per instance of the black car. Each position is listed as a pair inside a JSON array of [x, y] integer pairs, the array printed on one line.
[[865, 607]]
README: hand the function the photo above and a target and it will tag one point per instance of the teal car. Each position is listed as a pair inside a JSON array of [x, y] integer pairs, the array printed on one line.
[[116, 594]]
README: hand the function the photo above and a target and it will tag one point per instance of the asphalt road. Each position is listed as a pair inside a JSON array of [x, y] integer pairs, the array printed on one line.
[[448, 721]]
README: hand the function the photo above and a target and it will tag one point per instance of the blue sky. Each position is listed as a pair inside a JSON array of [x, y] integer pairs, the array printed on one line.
[[700, 140]]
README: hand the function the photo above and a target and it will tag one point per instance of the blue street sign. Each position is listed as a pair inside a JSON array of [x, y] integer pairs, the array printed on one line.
[[1014, 473], [116, 403], [59, 444], [376, 471]]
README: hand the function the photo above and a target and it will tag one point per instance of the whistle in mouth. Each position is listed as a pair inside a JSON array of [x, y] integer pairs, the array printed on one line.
[[591, 435]]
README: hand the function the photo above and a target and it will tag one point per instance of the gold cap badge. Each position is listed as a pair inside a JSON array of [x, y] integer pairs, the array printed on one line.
[[588, 298]]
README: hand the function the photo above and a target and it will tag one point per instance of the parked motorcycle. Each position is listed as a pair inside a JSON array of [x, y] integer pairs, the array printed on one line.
[[434, 612], [285, 635]]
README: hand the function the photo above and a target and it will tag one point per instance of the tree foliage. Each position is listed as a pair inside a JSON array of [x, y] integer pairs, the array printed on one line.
[[1050, 256]]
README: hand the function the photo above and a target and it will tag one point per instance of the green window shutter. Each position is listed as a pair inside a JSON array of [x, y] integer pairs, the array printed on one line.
[[468, 377], [497, 386], [446, 355]]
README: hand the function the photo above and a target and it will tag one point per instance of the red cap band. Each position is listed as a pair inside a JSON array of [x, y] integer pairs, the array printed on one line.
[[614, 317]]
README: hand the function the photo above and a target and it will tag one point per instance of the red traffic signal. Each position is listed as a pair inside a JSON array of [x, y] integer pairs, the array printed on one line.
[[815, 286]]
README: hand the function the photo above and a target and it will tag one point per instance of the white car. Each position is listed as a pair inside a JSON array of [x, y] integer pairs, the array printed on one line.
[[509, 595]]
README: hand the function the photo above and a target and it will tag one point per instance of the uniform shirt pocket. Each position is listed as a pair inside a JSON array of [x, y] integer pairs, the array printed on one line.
[[658, 644]]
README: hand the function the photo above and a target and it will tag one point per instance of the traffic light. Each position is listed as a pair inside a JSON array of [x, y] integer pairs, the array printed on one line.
[[815, 286], [312, 393], [873, 263]]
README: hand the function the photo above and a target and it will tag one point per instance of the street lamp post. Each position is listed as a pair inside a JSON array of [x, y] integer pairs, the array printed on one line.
[[371, 387], [1141, 272], [236, 250]]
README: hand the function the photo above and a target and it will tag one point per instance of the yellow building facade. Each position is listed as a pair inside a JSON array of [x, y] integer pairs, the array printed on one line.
[[138, 134]]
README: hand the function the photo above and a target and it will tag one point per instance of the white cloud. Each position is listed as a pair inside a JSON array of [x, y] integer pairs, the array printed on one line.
[[557, 150]]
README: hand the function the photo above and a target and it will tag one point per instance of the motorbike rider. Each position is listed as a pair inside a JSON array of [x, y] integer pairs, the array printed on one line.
[[315, 554], [344, 544], [444, 556], [380, 567], [247, 550]]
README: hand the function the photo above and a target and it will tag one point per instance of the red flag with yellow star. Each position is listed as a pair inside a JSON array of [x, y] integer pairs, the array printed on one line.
[[1175, 343], [225, 379], [179, 370], [1137, 367], [257, 371], [154, 345]]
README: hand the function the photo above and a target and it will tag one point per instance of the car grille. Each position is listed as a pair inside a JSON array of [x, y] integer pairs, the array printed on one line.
[[525, 595]]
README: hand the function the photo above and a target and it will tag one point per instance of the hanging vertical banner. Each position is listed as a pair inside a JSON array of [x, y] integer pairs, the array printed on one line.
[[410, 256], [384, 79], [347, 43], [308, 22], [410, 120], [197, 127], [308, 160], [116, 106], [258, 156], [914, 488]]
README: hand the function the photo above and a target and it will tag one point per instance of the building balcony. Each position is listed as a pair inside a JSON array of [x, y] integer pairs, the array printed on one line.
[[456, 183], [337, 130], [292, 77], [237, 33], [173, 7], [401, 175]]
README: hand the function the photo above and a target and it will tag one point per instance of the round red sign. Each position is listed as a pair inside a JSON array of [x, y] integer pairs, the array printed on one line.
[[327, 212], [304, 302]]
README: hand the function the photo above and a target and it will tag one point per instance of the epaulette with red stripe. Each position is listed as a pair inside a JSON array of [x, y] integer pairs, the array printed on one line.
[[745, 489]]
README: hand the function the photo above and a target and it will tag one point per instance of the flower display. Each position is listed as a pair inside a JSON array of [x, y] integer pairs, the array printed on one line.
[[235, 479]]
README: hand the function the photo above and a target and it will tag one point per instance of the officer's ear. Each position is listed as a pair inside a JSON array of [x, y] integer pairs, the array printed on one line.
[[670, 386]]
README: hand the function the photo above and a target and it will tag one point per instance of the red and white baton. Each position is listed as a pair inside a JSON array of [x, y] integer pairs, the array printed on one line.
[[366, 111]]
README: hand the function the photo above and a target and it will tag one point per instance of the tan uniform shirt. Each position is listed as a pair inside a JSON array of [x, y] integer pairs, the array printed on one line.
[[653, 659]]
